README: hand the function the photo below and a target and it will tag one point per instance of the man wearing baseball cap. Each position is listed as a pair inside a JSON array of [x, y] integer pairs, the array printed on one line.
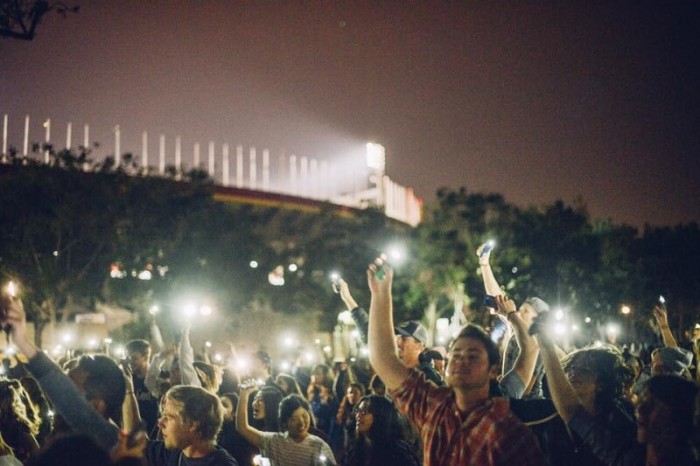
[[411, 338]]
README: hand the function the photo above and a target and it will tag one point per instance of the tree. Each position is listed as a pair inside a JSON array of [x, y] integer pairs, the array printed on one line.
[[20, 18]]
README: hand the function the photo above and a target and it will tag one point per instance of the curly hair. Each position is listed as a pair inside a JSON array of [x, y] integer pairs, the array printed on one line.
[[611, 373]]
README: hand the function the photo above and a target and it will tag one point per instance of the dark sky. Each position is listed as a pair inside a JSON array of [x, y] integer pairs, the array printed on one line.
[[537, 100]]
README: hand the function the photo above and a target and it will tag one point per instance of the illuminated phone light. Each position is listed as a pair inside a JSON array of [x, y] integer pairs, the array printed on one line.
[[11, 289]]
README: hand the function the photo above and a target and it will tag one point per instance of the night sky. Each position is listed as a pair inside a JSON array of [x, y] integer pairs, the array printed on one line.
[[537, 100]]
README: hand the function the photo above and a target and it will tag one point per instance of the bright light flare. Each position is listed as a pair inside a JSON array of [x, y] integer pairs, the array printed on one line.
[[120, 351], [612, 330], [153, 310], [587, 320], [205, 310], [625, 309], [559, 314], [241, 364], [12, 289], [375, 156]]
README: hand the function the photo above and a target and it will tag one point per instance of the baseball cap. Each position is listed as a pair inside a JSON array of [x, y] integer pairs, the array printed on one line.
[[538, 304], [414, 329], [676, 360]]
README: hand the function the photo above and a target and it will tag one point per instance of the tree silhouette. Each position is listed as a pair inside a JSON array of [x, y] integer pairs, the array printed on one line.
[[20, 18]]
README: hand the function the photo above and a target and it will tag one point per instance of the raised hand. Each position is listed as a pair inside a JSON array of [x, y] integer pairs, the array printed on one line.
[[661, 316], [379, 283]]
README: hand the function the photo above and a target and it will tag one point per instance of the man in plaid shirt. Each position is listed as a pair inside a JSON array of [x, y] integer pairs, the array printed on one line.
[[459, 424]]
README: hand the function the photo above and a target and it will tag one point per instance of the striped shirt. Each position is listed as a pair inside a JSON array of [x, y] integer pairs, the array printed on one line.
[[489, 435], [283, 451]]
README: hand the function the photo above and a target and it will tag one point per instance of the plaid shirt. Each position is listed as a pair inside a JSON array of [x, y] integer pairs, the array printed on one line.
[[490, 434]]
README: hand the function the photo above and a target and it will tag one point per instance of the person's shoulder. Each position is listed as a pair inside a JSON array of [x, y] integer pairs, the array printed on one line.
[[223, 457]]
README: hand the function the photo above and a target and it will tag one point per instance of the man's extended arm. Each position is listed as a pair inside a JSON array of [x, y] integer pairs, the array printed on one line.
[[661, 315], [56, 385], [563, 395], [382, 346], [359, 315], [525, 363], [490, 283]]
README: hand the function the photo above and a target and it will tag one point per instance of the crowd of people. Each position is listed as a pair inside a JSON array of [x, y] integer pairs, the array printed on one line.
[[518, 400]]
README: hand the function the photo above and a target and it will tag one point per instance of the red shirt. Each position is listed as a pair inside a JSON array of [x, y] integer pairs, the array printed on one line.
[[489, 435]]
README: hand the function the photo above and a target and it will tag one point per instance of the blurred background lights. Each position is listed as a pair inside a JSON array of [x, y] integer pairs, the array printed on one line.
[[559, 314], [292, 267], [625, 309], [587, 320], [205, 310], [253, 264]]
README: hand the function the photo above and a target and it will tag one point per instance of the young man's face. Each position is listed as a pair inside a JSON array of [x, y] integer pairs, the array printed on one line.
[[177, 434], [138, 363], [468, 365]]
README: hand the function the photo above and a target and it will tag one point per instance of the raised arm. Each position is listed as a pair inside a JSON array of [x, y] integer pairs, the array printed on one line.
[[359, 315], [130, 407], [56, 385], [661, 315], [564, 397], [490, 283], [251, 434], [525, 363], [187, 370], [382, 345]]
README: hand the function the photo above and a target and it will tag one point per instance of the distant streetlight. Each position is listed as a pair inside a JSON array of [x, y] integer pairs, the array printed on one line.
[[625, 309]]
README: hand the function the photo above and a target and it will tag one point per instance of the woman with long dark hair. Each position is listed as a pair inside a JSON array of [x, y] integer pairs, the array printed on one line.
[[266, 409], [380, 436]]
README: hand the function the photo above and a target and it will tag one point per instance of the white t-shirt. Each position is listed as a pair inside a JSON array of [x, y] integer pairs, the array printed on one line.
[[283, 451]]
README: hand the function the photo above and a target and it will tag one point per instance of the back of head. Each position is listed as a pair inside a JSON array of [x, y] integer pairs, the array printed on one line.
[[105, 381], [292, 385], [679, 395], [199, 406], [476, 332]]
